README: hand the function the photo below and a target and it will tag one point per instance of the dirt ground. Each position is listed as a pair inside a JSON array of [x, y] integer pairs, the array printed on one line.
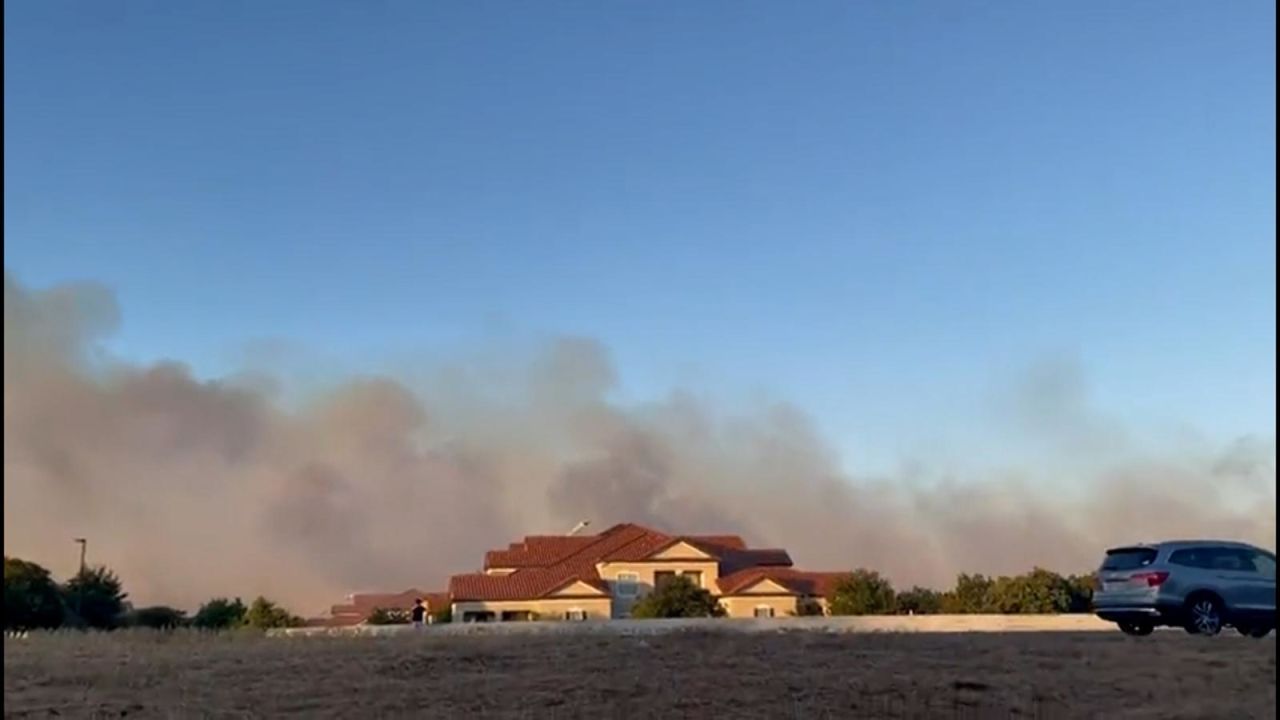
[[687, 674]]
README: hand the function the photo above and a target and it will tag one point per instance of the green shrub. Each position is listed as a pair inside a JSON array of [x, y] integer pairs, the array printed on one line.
[[679, 598], [266, 615], [157, 617], [220, 614], [31, 598]]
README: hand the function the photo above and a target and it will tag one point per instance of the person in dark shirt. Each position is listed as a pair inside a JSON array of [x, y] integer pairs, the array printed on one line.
[[419, 613]]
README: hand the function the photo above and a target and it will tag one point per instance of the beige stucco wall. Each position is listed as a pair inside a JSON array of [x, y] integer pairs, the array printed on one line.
[[546, 609], [745, 605], [645, 570]]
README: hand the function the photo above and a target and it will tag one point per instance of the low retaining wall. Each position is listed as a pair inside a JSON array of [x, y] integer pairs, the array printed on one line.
[[844, 624]]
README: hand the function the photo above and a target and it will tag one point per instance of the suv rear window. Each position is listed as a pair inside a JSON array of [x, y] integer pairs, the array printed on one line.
[[1128, 558]]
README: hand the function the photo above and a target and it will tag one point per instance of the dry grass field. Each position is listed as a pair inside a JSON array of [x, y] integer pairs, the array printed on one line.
[[684, 674]]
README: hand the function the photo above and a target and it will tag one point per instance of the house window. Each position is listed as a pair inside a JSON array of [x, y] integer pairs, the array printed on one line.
[[627, 584], [662, 577], [764, 611], [694, 576], [575, 614]]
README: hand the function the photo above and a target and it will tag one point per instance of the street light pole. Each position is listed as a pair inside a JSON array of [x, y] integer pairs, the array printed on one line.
[[84, 548]]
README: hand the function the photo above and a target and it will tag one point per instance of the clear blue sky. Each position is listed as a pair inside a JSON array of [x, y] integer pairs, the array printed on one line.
[[870, 208]]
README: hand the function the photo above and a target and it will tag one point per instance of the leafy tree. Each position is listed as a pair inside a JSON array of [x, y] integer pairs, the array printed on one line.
[[679, 598], [264, 615], [863, 592], [443, 615], [972, 594], [96, 597], [31, 599], [220, 614], [385, 616], [1037, 592], [1081, 588], [919, 601], [157, 617]]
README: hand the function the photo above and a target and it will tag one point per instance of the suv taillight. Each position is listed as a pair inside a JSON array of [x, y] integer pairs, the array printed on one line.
[[1154, 579]]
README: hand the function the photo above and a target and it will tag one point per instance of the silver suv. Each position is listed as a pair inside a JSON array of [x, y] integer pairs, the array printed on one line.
[[1200, 585]]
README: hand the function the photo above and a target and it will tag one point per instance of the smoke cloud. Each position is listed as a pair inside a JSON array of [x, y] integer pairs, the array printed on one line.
[[191, 489]]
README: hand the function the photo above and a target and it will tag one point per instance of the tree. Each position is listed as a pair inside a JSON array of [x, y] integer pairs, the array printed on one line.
[[919, 601], [31, 600], [862, 592], [220, 614], [972, 594], [157, 617], [442, 615], [1037, 592], [678, 598], [1081, 588], [96, 597], [265, 615], [384, 616]]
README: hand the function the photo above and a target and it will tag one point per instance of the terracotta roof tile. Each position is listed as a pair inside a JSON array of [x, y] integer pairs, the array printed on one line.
[[547, 562], [537, 551], [801, 582]]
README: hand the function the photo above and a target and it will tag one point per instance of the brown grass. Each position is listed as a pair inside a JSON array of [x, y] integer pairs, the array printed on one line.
[[687, 674]]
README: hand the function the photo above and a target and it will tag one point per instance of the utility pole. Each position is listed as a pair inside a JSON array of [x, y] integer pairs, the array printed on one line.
[[84, 548]]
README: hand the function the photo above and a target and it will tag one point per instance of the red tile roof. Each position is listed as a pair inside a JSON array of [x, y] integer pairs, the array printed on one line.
[[537, 551], [576, 561], [545, 563], [800, 582]]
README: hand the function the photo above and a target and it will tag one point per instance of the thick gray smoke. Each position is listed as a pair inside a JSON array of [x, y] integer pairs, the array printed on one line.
[[191, 489]]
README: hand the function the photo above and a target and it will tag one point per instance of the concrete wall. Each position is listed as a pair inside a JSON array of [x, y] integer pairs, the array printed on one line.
[[546, 609], [710, 570], [863, 624]]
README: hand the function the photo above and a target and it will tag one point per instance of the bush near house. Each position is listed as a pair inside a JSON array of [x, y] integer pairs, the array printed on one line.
[[807, 607], [679, 598]]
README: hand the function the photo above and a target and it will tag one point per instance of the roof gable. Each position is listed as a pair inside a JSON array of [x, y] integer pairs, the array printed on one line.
[[578, 588], [765, 586], [680, 549]]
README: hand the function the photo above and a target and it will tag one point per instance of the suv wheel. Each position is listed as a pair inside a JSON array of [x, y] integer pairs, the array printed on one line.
[[1257, 631], [1137, 629], [1204, 615]]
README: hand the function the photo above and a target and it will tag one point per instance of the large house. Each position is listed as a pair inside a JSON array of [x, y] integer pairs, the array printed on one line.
[[581, 577]]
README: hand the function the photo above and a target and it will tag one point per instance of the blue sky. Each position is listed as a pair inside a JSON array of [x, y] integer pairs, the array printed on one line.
[[875, 210]]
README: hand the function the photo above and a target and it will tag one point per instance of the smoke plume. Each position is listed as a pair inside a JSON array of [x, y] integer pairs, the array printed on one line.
[[191, 489]]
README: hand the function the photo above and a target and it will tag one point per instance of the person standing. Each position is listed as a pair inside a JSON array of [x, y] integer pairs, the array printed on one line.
[[418, 614]]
